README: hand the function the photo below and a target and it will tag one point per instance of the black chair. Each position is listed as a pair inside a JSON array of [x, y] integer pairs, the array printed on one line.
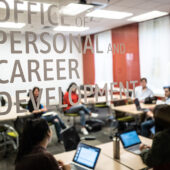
[[124, 121], [71, 138], [8, 137]]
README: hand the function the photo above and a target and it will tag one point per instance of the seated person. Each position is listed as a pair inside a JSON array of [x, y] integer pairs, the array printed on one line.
[[147, 125], [80, 109], [54, 119], [32, 153], [166, 99], [142, 92], [158, 155]]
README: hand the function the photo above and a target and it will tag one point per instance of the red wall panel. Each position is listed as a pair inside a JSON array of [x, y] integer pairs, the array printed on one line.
[[89, 65], [126, 66]]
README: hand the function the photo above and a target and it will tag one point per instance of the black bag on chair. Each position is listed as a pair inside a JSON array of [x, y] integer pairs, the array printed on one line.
[[150, 100], [94, 125], [70, 138], [20, 122]]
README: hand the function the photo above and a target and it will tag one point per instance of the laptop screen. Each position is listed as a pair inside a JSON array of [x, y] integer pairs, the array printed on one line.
[[129, 138], [86, 155]]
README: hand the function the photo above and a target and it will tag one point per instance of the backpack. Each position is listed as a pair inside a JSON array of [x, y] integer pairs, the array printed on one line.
[[94, 125]]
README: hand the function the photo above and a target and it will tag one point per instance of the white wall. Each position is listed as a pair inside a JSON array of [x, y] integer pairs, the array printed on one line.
[[6, 69], [154, 41], [103, 61]]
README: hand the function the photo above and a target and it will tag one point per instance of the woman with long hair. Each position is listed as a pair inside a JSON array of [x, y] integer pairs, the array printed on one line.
[[80, 109], [32, 153], [54, 119]]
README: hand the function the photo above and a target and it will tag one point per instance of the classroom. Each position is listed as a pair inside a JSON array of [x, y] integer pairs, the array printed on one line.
[[84, 85]]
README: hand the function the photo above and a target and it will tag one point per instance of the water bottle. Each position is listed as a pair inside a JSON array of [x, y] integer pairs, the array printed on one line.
[[116, 147]]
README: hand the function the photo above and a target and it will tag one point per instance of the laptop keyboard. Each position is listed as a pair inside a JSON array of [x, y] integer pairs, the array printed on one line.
[[135, 149], [76, 167]]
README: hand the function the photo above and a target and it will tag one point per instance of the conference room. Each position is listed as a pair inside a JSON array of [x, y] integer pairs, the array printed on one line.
[[84, 84]]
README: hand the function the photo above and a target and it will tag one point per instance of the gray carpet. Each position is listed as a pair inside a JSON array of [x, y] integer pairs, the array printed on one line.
[[55, 148]]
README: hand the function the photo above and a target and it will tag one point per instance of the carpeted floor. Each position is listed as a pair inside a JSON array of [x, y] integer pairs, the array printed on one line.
[[55, 148]]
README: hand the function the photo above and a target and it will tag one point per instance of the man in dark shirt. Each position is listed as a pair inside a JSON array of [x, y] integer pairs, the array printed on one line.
[[159, 153]]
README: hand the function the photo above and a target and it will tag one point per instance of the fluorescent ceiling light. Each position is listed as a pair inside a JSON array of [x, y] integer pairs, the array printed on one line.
[[11, 25], [75, 9], [147, 16], [70, 28], [109, 14], [24, 6]]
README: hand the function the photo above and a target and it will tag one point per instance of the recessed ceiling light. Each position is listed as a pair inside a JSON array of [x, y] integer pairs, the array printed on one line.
[[11, 25], [148, 15], [70, 29], [109, 14], [24, 6], [75, 9]]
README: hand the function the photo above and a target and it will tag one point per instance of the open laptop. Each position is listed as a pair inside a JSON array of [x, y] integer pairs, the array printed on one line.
[[138, 107], [131, 141], [85, 158]]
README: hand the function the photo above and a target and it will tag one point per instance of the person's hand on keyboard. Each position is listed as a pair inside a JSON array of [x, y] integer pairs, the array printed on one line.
[[143, 147]]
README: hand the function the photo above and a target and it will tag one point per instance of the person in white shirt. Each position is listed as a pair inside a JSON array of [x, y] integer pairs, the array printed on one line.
[[142, 91], [167, 95], [147, 125]]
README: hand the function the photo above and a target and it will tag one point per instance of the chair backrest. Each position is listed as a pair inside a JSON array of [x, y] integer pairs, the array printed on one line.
[[70, 138], [62, 98], [119, 103]]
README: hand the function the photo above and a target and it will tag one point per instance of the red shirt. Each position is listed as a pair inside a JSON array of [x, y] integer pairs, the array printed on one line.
[[74, 98]]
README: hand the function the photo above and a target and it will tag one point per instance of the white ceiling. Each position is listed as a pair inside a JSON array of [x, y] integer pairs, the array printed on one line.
[[96, 25]]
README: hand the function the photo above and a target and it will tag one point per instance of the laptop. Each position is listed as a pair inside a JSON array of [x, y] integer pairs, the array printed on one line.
[[131, 141], [85, 158], [138, 107]]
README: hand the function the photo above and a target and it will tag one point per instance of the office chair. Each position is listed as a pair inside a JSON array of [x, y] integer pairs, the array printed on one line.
[[8, 137], [123, 120], [70, 138]]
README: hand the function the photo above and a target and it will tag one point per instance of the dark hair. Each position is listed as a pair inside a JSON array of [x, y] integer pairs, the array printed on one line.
[[33, 91], [69, 87], [166, 87], [161, 115], [33, 133], [35, 88], [143, 78]]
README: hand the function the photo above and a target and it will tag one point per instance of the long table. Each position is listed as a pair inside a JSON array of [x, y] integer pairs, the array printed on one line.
[[127, 160], [12, 115], [104, 162], [131, 108], [102, 99]]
